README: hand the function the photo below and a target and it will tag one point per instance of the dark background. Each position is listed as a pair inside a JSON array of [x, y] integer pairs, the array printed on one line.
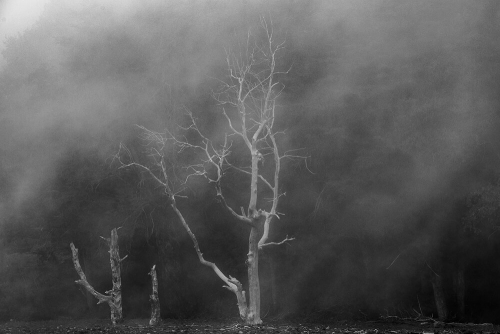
[[395, 104]]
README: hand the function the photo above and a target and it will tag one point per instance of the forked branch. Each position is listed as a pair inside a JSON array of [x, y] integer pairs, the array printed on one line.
[[84, 282]]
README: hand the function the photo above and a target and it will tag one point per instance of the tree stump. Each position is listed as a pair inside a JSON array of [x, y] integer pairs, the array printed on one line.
[[155, 301], [114, 296]]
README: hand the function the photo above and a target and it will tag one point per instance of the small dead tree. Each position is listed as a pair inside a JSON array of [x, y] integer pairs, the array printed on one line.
[[155, 301], [114, 296], [247, 99]]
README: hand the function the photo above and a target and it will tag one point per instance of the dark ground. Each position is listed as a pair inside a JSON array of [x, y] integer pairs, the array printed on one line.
[[197, 326]]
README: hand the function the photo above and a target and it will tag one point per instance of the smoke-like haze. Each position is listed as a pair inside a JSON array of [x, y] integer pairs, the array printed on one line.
[[358, 34], [391, 100]]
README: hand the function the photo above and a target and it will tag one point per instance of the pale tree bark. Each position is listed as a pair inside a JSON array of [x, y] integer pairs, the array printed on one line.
[[248, 102], [115, 261], [113, 297], [154, 299]]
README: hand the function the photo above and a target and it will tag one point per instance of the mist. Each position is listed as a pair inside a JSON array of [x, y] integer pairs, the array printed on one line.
[[394, 104]]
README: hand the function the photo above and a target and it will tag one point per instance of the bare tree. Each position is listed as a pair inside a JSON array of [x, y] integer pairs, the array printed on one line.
[[247, 99]]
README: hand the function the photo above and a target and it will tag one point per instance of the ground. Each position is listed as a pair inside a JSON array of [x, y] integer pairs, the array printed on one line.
[[184, 327]]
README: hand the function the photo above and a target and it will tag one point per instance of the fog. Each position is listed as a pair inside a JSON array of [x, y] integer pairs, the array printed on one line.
[[394, 104]]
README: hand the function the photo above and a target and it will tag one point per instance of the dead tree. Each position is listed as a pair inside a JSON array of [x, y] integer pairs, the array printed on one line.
[[439, 296], [155, 301], [248, 105], [114, 296]]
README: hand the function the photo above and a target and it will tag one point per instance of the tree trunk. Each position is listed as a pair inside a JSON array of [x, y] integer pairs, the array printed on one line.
[[116, 291], [274, 297], [460, 291], [437, 286], [155, 301], [253, 316]]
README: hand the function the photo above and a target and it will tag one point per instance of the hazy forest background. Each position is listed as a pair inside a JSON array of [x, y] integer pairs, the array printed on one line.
[[395, 104]]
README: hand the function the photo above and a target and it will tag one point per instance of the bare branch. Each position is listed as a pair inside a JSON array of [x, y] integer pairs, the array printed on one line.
[[232, 284], [393, 261], [286, 240], [249, 173], [301, 157], [146, 169], [276, 195], [432, 269], [242, 217], [124, 165], [231, 124]]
